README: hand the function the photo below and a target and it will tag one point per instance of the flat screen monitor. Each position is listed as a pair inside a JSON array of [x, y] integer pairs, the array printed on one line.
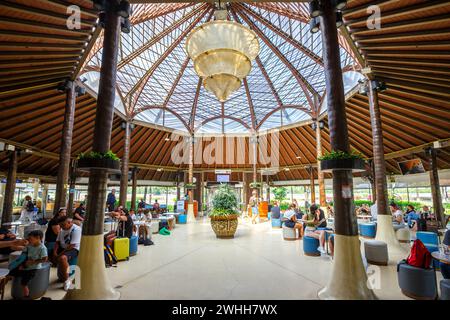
[[411, 166], [223, 178]]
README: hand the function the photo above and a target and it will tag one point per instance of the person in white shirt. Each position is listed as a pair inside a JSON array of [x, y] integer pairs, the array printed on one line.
[[374, 211], [66, 248]]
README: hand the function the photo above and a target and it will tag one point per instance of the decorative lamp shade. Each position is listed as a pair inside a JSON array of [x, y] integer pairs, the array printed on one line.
[[222, 52]]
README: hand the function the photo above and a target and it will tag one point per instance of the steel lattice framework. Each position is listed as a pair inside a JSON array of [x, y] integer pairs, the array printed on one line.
[[156, 82]]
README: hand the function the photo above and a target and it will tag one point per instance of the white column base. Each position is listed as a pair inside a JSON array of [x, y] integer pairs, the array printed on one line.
[[91, 281], [386, 233], [348, 279], [190, 213]]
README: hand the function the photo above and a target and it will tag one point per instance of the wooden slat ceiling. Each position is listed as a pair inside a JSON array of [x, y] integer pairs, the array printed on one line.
[[409, 52]]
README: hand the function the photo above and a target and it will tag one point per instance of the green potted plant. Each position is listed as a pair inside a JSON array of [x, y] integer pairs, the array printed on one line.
[[98, 160], [340, 160], [224, 214]]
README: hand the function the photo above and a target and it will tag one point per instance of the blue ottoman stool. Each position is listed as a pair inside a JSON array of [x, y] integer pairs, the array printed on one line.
[[368, 230], [310, 246], [133, 245], [182, 218], [445, 289], [38, 285], [276, 223]]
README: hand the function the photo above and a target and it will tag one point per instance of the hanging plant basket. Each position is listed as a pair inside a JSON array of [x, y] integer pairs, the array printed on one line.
[[255, 185], [356, 165], [87, 164], [190, 186]]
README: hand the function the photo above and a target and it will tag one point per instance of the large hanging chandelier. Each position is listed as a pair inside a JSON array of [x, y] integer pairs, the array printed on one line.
[[222, 52]]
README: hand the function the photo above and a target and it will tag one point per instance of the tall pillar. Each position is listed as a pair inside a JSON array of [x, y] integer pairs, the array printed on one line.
[[133, 188], [35, 189], [312, 185], [202, 192], [124, 167], [66, 147], [320, 175], [372, 181], [178, 186], [254, 141], [268, 189], [10, 187], [94, 281], [348, 279], [72, 180], [2, 196], [385, 231], [45, 201], [435, 187], [190, 212]]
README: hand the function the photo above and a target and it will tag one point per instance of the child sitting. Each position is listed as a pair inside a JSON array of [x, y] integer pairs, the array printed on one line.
[[34, 254]]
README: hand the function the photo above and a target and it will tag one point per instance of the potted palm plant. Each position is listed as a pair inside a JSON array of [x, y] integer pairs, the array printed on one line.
[[98, 160], [339, 160], [224, 214]]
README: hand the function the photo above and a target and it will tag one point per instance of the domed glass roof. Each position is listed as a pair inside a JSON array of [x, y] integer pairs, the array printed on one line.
[[157, 84]]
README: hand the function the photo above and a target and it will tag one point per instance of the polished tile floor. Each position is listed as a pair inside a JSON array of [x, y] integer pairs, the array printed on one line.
[[257, 264]]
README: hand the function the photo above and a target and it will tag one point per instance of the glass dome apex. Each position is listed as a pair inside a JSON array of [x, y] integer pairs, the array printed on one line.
[[157, 83]]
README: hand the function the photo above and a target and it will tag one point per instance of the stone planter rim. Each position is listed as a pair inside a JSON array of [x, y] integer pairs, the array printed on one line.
[[88, 164]]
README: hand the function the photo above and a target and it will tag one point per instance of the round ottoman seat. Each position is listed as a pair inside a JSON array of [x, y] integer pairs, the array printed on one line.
[[182, 218], [368, 230], [289, 233], [38, 285], [376, 252], [445, 289], [417, 283], [310, 246], [276, 223], [403, 235]]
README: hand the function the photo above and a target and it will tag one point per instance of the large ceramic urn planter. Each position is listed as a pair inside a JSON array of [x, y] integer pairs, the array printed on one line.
[[106, 164], [224, 226], [356, 165]]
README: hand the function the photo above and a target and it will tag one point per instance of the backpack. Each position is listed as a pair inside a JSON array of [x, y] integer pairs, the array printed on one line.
[[419, 256], [110, 258]]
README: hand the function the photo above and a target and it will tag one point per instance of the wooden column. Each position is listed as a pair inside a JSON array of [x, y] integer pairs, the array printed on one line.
[[435, 187], [312, 185], [35, 189], [372, 181], [72, 180], [178, 186], [191, 169], [378, 152], [10, 187], [320, 175], [255, 162], [66, 147], [124, 166], [133, 188], [95, 283], [348, 279], [268, 189], [44, 200]]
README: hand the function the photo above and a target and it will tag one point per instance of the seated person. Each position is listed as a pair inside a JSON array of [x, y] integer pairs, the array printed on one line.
[[9, 243], [156, 206], [141, 204], [397, 214], [66, 248], [330, 211], [78, 215], [275, 212], [412, 217], [290, 220], [36, 253], [445, 267], [133, 214], [317, 220], [125, 223], [426, 213], [52, 231]]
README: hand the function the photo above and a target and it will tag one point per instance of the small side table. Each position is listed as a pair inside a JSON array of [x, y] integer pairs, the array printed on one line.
[[3, 281]]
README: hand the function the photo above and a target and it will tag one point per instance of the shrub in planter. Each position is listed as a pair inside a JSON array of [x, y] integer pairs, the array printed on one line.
[[339, 160], [224, 214], [98, 160], [190, 186], [255, 185]]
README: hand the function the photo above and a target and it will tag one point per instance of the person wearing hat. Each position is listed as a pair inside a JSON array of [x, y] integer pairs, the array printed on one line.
[[291, 220]]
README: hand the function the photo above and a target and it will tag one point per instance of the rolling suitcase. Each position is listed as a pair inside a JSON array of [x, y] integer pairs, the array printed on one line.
[[121, 247], [133, 245]]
